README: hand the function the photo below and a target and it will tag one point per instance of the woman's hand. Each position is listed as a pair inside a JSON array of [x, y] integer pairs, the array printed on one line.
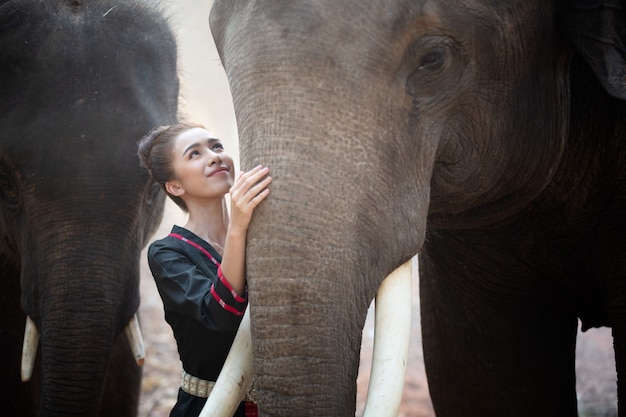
[[249, 190]]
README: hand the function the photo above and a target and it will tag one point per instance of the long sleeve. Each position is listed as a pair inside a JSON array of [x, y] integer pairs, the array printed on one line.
[[192, 286]]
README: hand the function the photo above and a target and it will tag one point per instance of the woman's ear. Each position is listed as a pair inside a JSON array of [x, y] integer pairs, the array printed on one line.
[[174, 188], [598, 33]]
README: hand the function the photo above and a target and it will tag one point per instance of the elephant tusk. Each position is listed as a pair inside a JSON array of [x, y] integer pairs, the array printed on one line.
[[391, 344], [235, 377], [133, 335], [29, 349]]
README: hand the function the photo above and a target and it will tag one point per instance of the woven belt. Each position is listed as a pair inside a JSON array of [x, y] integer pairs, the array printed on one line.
[[196, 386], [202, 388]]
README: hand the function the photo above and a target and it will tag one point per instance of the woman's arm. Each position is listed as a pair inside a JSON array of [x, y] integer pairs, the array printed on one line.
[[249, 190], [186, 290]]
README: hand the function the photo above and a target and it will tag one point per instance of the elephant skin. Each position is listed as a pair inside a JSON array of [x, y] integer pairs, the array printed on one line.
[[80, 83], [489, 137]]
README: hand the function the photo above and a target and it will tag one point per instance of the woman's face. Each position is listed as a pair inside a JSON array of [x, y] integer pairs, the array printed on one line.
[[202, 168]]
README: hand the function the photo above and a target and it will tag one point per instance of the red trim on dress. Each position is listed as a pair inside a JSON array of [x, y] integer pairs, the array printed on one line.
[[222, 303], [195, 245], [222, 278], [220, 275]]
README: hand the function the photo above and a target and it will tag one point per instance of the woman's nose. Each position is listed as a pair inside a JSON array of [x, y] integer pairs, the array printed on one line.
[[214, 158]]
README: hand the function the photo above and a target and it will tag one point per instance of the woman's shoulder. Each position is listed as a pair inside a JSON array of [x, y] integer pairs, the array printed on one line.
[[171, 241], [169, 252]]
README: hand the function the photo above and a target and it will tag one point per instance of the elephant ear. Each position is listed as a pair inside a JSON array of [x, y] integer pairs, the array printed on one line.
[[597, 29]]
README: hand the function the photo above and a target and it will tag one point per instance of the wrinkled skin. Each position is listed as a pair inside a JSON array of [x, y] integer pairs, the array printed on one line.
[[80, 83], [474, 133]]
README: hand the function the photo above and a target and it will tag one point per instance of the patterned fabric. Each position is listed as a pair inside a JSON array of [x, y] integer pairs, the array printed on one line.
[[196, 386]]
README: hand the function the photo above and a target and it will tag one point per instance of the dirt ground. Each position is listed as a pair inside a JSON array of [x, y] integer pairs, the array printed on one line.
[[206, 99]]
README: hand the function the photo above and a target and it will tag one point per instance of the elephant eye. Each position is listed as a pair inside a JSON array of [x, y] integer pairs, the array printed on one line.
[[153, 194], [9, 191], [432, 61], [434, 64], [429, 69]]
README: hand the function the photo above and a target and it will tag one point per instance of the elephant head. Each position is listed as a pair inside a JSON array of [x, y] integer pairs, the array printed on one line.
[[379, 121], [80, 83]]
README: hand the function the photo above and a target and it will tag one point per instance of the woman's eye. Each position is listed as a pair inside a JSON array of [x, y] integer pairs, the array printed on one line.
[[218, 146], [193, 154]]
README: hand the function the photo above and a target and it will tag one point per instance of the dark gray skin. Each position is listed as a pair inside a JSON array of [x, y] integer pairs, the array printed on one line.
[[80, 83], [473, 133]]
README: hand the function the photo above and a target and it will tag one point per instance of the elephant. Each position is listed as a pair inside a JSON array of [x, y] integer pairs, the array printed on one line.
[[81, 82], [487, 137]]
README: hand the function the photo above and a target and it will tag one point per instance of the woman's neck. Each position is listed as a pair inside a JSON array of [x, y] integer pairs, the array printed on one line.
[[209, 220]]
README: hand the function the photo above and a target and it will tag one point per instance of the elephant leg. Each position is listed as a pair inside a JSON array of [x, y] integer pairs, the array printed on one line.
[[492, 348]]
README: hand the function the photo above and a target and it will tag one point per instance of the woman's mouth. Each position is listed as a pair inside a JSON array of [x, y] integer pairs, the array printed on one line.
[[218, 171]]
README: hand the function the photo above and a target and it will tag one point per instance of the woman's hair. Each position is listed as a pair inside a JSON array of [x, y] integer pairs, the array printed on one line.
[[155, 154]]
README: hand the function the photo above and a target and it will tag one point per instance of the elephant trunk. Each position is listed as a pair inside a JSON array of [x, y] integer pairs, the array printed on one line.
[[306, 350], [306, 338], [310, 286], [81, 290], [74, 372], [77, 342]]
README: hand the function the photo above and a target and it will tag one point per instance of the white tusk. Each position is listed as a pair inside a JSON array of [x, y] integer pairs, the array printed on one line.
[[29, 349], [235, 377], [133, 335], [391, 344]]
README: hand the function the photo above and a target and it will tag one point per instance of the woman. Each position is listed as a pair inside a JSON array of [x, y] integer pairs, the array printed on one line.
[[199, 268]]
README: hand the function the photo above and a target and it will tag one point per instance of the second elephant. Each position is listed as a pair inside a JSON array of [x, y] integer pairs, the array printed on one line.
[[80, 83]]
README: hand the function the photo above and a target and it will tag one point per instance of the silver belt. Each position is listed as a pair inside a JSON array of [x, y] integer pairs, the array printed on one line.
[[202, 388]]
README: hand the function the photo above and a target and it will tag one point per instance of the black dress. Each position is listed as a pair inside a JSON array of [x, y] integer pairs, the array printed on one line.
[[200, 306]]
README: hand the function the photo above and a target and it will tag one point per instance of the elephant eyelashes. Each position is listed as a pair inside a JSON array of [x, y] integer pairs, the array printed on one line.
[[8, 190]]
